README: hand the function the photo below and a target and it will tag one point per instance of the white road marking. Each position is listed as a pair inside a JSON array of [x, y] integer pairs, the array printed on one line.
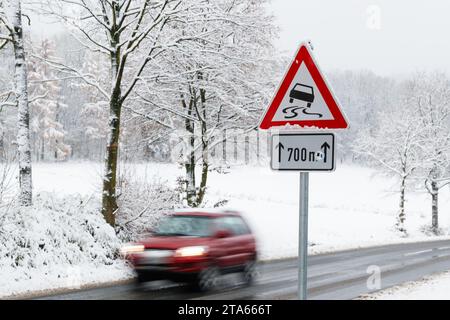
[[417, 252]]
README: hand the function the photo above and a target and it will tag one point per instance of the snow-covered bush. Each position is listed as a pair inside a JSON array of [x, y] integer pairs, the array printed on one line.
[[8, 168], [58, 242], [142, 202], [429, 231]]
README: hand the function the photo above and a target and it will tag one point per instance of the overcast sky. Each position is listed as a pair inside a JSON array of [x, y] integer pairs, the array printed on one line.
[[389, 37]]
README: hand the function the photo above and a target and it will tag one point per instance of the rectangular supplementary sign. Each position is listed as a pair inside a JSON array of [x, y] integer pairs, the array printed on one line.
[[303, 151]]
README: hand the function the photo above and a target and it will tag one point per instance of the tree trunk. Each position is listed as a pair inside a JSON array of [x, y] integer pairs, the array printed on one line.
[[42, 150], [247, 149], [190, 165], [213, 148], [235, 148], [190, 162], [205, 167], [109, 203], [257, 145], [204, 179], [434, 208], [205, 151], [55, 152], [2, 142], [224, 146], [401, 215], [23, 113]]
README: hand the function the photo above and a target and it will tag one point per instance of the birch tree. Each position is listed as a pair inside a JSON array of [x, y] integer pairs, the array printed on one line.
[[129, 33], [11, 20], [394, 147], [430, 99]]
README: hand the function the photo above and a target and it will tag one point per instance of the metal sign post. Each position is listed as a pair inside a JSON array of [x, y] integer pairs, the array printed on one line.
[[303, 237], [303, 151], [306, 100]]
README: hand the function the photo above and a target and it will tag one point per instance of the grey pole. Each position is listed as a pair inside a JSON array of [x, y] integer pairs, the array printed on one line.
[[303, 237]]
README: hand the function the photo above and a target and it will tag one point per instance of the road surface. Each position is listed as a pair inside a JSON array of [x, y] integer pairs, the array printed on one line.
[[340, 275]]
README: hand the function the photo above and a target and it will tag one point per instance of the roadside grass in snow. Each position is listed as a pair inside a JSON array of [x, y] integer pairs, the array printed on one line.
[[58, 242], [435, 287]]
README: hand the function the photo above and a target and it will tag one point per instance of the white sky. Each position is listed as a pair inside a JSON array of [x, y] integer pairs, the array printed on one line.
[[389, 37]]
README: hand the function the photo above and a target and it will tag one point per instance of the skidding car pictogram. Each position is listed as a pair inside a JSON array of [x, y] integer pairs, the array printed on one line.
[[302, 92]]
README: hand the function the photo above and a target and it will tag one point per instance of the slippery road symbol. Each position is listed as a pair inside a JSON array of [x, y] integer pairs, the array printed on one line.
[[301, 92]]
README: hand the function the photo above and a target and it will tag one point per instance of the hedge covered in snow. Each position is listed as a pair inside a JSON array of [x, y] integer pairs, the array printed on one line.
[[58, 242], [143, 201]]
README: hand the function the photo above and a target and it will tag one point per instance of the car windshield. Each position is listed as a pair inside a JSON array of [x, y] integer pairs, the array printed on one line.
[[177, 225], [303, 88]]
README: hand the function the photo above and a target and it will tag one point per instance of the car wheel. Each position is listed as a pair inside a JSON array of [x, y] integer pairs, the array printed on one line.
[[207, 279], [141, 278], [249, 272], [139, 282]]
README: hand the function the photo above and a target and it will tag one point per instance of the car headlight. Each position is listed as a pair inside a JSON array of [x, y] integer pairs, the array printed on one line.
[[191, 251], [132, 248]]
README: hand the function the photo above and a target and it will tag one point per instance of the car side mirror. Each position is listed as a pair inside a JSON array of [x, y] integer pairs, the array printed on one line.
[[223, 233]]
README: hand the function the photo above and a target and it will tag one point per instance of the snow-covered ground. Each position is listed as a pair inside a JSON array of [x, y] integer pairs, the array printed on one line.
[[60, 242], [349, 208], [436, 287]]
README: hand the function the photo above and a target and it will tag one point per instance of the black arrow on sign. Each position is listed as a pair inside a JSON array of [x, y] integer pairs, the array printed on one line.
[[280, 147], [325, 146]]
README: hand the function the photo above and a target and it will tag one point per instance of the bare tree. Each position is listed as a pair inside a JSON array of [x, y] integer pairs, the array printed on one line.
[[129, 34], [11, 19], [7, 175], [46, 105], [218, 81], [394, 147], [429, 98]]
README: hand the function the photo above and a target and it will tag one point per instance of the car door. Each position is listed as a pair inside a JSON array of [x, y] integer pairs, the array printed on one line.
[[244, 241], [227, 247], [239, 246]]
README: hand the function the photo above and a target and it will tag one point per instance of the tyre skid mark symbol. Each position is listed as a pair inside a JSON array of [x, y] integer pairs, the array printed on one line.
[[293, 110]]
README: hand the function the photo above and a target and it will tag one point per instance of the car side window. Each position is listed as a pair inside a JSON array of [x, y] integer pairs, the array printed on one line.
[[223, 224], [240, 225], [234, 224]]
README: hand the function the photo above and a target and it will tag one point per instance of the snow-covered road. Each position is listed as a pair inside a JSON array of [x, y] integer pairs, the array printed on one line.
[[340, 275]]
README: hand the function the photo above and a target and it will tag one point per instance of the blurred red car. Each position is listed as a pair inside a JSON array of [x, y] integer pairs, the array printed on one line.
[[195, 247]]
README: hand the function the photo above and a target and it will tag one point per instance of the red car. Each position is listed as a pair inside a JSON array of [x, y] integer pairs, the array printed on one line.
[[196, 247]]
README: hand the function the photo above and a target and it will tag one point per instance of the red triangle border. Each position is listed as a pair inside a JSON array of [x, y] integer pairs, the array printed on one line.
[[303, 55]]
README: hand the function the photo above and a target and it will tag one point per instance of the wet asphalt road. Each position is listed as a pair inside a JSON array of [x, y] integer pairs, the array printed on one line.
[[340, 275]]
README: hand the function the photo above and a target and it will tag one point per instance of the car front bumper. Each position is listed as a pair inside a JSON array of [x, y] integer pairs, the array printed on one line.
[[172, 273]]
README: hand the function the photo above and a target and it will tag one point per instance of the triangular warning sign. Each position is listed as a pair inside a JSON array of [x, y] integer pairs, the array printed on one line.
[[304, 98]]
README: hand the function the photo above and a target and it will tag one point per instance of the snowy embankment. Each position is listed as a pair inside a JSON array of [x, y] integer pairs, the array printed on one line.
[[58, 243], [434, 287], [349, 208]]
